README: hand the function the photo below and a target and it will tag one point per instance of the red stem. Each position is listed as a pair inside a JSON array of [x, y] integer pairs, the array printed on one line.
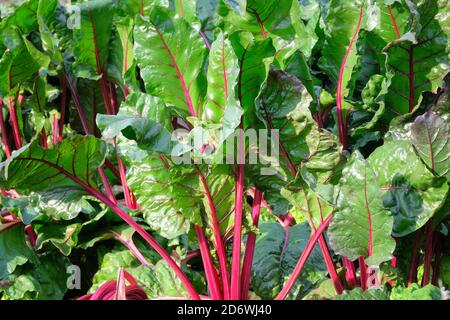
[[303, 258], [132, 247], [15, 123], [5, 137], [394, 23], [413, 264], [237, 231], [113, 94], [84, 123], [342, 122], [437, 258], [222, 257], [250, 246], [44, 138], [363, 273], [55, 130], [210, 272], [350, 274]]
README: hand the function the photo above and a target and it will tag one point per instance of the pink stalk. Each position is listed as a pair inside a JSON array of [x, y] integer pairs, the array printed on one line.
[[5, 138], [15, 123], [363, 273], [113, 94], [210, 272], [350, 274], [84, 123], [250, 246], [44, 138], [130, 199], [237, 231], [217, 238], [132, 247], [342, 123], [55, 130], [394, 23], [414, 261], [303, 258]]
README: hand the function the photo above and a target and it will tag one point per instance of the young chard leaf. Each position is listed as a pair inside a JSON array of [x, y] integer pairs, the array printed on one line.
[[171, 55]]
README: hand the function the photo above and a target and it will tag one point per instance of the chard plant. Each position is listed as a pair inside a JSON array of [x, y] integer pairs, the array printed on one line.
[[224, 150]]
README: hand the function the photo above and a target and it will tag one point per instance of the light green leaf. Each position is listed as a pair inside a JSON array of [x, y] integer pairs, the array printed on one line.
[[413, 193], [170, 54], [361, 226]]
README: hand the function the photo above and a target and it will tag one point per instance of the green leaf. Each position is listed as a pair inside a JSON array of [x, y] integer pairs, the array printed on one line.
[[50, 173], [373, 293], [121, 53], [445, 269], [15, 251], [341, 22], [252, 75], [415, 292], [430, 137], [16, 67], [309, 206], [288, 112], [413, 193], [142, 118], [168, 196], [277, 251], [63, 237], [21, 207], [92, 38], [260, 17], [284, 105], [223, 71], [43, 279], [361, 226], [221, 185], [418, 62], [170, 54]]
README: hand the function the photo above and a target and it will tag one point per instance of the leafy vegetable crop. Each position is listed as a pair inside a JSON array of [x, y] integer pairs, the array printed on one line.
[[218, 149]]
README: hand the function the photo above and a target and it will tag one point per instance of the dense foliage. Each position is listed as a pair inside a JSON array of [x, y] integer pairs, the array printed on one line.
[[101, 99]]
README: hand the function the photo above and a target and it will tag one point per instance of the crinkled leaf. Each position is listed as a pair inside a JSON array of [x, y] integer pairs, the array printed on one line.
[[168, 197], [413, 193], [49, 173], [415, 292], [361, 226], [142, 118]]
